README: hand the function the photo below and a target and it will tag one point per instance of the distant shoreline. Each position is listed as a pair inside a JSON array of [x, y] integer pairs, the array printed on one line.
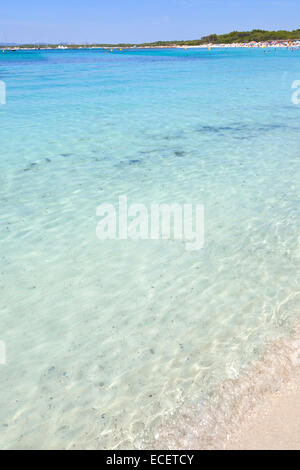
[[252, 45], [254, 38]]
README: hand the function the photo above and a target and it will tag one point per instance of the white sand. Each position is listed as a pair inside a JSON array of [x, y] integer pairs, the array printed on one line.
[[274, 425]]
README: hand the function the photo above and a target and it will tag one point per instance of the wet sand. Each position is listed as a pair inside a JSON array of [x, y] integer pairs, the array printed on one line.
[[274, 424]]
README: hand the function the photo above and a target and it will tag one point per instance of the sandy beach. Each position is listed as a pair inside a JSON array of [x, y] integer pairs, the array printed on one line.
[[273, 420], [273, 425]]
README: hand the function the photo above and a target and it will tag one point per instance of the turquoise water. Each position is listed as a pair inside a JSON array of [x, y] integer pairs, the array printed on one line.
[[106, 341]]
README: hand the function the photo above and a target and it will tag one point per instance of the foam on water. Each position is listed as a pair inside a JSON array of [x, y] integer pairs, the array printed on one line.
[[108, 341]]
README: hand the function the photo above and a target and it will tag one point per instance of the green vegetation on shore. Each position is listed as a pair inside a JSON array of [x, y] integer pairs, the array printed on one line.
[[257, 35]]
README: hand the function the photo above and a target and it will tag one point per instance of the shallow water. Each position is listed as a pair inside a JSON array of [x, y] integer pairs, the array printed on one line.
[[105, 340]]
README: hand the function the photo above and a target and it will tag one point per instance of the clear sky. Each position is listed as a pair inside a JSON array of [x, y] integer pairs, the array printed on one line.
[[139, 20]]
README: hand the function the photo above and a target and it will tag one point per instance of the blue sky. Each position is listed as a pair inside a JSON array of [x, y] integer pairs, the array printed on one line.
[[139, 20]]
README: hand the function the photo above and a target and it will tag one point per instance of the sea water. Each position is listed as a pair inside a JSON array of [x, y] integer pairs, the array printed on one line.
[[119, 343]]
